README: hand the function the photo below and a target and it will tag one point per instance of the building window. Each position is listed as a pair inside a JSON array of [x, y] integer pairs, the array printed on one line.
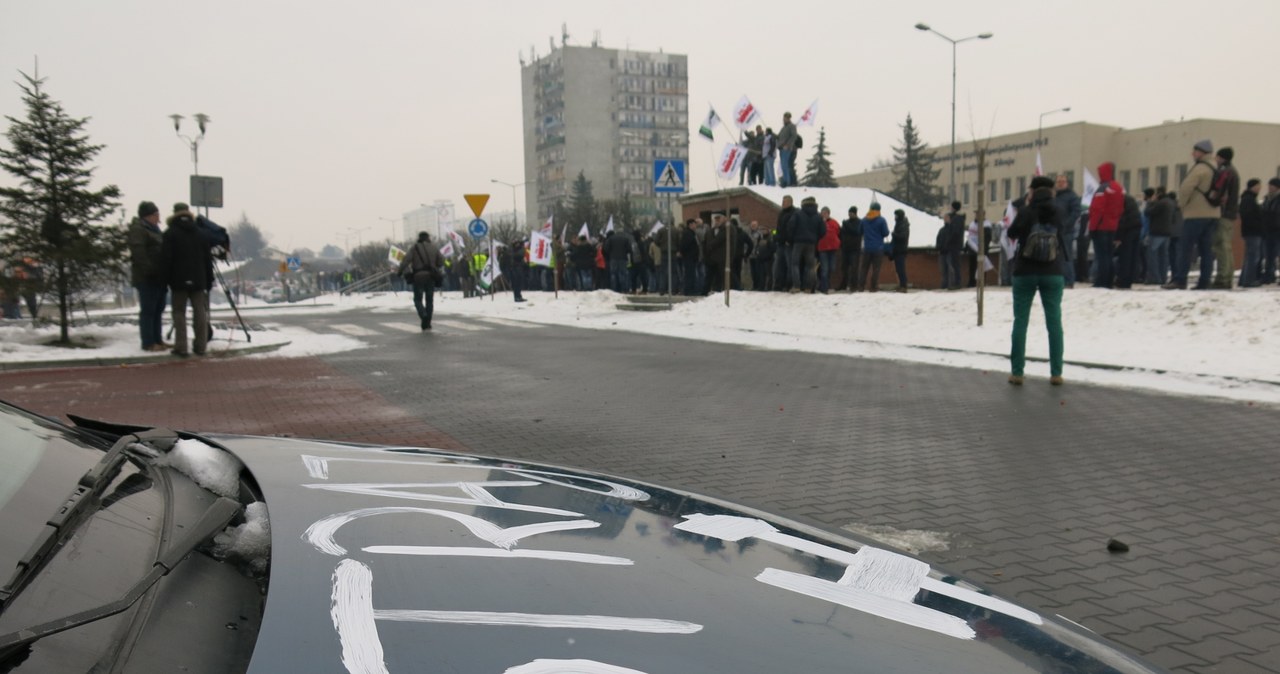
[[1022, 185], [1144, 178], [1162, 176], [1008, 189], [1124, 180], [1071, 178], [992, 193], [1182, 173], [965, 192]]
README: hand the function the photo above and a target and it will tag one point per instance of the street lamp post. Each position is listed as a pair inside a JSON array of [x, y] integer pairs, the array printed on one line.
[[393, 222], [514, 213], [980, 36], [202, 121], [1040, 126]]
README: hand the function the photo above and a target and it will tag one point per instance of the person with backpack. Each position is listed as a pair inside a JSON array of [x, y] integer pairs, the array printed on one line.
[[1037, 268], [1226, 195], [423, 266], [1200, 220]]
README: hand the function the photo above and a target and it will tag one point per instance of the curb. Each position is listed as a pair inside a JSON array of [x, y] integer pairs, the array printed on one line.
[[135, 360]]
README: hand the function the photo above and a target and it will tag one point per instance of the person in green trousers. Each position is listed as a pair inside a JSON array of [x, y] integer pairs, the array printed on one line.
[[1037, 268]]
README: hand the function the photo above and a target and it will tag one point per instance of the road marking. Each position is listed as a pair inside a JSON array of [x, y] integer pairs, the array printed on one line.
[[459, 325], [355, 330], [402, 326], [509, 323]]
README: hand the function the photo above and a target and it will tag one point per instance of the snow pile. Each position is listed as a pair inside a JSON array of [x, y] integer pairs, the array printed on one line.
[[208, 466], [249, 542]]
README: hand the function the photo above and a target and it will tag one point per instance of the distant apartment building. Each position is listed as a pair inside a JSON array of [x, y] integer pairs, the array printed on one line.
[[433, 218], [607, 113], [1145, 157]]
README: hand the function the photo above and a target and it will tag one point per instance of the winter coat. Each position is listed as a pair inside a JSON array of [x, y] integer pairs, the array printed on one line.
[[145, 242], [1108, 201], [1192, 191], [770, 147], [422, 260], [1069, 208], [851, 235], [783, 229], [186, 259], [617, 248], [787, 137], [1271, 216], [831, 241], [687, 246], [1022, 226], [765, 249], [807, 225], [655, 254], [1160, 217], [583, 255], [1250, 214], [901, 234], [1131, 216], [715, 246], [951, 238], [1227, 183], [874, 231]]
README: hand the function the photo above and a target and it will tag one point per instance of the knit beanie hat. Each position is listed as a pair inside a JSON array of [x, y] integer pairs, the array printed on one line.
[[1227, 153], [147, 208], [1205, 146], [181, 207]]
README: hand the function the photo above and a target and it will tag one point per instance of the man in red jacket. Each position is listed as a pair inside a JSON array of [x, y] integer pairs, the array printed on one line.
[[1104, 220]]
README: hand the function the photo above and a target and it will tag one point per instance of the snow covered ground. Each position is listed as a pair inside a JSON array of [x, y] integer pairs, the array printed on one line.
[[1220, 344]]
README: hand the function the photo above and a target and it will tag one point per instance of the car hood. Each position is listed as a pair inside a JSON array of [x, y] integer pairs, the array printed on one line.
[[404, 559]]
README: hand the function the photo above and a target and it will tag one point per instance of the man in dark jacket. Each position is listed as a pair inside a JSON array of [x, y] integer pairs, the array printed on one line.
[[898, 246], [806, 227], [1226, 184], [1069, 209], [1251, 230], [1271, 230], [716, 247], [687, 254], [1160, 229], [145, 243], [186, 266], [850, 248], [1128, 236], [782, 238], [950, 245], [425, 263], [584, 262], [617, 254]]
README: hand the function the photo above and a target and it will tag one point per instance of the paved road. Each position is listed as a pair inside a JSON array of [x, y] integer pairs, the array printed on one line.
[[1029, 484]]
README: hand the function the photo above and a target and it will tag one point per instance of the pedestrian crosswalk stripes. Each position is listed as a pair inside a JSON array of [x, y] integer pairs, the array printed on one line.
[[406, 327], [509, 323], [459, 325], [354, 330]]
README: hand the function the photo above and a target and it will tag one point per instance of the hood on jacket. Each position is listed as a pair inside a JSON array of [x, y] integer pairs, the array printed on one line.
[[182, 219], [1106, 171]]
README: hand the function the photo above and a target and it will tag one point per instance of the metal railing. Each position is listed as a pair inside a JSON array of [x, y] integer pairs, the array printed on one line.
[[379, 281]]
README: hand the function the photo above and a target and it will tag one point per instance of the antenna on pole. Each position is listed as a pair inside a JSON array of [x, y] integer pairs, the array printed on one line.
[[564, 34], [595, 39]]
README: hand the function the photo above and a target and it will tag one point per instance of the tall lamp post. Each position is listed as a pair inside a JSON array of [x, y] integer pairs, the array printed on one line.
[[1040, 126], [202, 121], [514, 213], [981, 36], [393, 222]]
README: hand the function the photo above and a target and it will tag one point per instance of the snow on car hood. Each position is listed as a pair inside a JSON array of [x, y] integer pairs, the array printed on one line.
[[403, 559]]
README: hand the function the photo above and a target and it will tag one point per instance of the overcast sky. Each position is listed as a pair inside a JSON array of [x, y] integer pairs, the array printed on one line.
[[331, 116]]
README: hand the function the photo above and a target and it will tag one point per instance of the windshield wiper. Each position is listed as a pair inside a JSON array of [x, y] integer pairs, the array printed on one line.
[[75, 508], [214, 520]]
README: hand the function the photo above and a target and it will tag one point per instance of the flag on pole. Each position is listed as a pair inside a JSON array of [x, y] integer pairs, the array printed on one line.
[[564, 234], [547, 226], [657, 227], [609, 227], [1091, 186], [585, 231], [490, 272], [539, 249], [744, 113], [395, 256], [712, 121], [809, 114], [447, 249], [1039, 166], [458, 242], [730, 160], [1009, 214]]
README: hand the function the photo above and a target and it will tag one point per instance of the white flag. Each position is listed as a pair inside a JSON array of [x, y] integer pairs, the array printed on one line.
[[447, 249], [490, 272], [540, 249], [809, 114], [657, 227], [730, 160], [546, 226], [1009, 214], [609, 227], [713, 120], [1091, 186], [395, 256], [458, 242], [744, 113], [1039, 166], [585, 231]]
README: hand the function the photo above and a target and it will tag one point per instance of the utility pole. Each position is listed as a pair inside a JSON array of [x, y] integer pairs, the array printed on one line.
[[982, 231]]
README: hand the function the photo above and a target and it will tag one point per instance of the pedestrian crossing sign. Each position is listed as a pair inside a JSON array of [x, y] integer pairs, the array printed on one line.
[[668, 176]]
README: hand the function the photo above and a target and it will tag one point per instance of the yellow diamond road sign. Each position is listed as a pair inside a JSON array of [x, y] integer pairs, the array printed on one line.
[[476, 202]]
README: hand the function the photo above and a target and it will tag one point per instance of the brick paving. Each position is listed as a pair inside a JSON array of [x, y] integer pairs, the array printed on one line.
[[1029, 483]]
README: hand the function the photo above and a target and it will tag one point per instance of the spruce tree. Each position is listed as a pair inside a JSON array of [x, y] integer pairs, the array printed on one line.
[[247, 239], [818, 172], [915, 180], [51, 215], [582, 203]]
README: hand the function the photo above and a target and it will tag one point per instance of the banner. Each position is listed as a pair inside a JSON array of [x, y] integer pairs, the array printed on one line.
[[395, 256], [490, 272], [1091, 186], [657, 227], [447, 249], [539, 249], [712, 121], [546, 226], [809, 115], [730, 161], [744, 113], [459, 243]]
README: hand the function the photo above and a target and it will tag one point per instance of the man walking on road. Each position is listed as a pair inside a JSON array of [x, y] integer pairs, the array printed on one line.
[[425, 263]]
